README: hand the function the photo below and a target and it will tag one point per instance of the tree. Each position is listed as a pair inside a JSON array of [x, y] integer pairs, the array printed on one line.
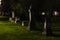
[[20, 7]]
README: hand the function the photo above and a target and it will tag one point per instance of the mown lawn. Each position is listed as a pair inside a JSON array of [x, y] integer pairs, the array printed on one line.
[[11, 31]]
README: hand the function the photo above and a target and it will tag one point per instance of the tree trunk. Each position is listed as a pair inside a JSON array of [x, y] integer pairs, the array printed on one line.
[[48, 25], [32, 23]]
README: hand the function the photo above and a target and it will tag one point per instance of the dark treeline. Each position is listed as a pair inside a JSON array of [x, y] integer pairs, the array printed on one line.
[[21, 6], [47, 6]]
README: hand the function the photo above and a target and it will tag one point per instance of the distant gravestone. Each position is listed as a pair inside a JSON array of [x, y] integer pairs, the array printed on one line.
[[22, 23], [11, 19], [16, 20]]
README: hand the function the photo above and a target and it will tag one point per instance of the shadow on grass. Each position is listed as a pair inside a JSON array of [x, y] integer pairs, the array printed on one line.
[[20, 36], [56, 35]]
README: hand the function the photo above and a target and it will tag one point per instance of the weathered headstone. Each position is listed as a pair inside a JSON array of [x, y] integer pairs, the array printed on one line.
[[22, 23], [15, 19], [10, 19]]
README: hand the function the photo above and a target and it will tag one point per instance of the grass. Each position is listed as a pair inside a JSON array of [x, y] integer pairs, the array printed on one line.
[[11, 31]]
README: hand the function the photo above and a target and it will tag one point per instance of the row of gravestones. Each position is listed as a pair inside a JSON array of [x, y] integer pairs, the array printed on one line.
[[18, 21]]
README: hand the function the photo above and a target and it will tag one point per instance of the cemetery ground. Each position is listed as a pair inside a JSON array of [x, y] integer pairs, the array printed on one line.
[[12, 31]]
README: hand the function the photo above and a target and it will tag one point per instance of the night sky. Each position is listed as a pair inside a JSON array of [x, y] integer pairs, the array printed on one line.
[[46, 4]]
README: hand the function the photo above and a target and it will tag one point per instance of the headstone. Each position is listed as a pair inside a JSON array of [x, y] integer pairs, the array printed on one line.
[[10, 19], [15, 19], [22, 23]]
